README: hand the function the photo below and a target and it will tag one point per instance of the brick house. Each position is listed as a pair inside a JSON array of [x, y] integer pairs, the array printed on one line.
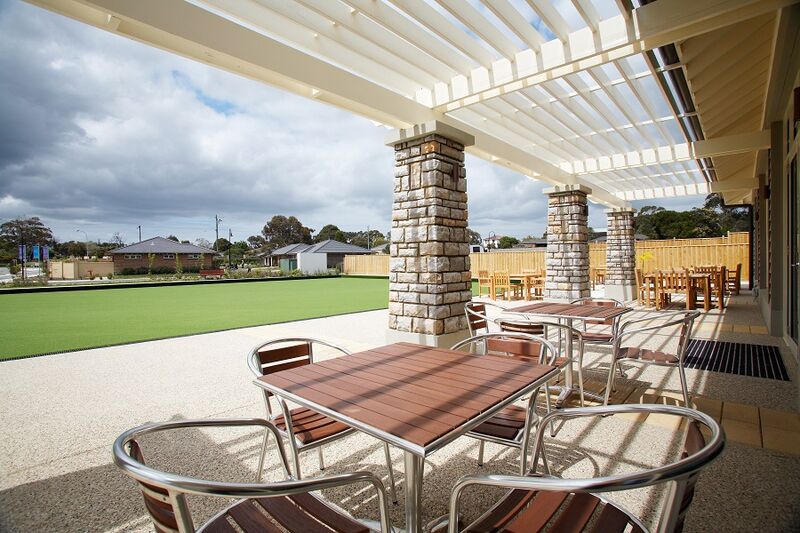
[[135, 258]]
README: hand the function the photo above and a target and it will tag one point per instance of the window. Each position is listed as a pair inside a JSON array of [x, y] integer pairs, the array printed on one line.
[[133, 256], [192, 256], [168, 256]]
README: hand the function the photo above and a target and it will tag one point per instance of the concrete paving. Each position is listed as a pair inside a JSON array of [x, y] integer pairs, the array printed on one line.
[[60, 415]]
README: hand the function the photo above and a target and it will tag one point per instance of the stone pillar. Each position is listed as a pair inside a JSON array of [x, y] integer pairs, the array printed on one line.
[[429, 278], [620, 255], [567, 258]]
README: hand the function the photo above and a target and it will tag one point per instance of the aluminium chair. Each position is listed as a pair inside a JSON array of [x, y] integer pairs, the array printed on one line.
[[259, 506], [512, 425], [683, 321], [534, 501], [477, 319], [605, 337], [303, 428]]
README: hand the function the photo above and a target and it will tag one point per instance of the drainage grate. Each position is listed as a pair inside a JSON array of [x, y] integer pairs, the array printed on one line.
[[736, 358]]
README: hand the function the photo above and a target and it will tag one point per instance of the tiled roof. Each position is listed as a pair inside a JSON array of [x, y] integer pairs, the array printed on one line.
[[325, 247], [160, 245]]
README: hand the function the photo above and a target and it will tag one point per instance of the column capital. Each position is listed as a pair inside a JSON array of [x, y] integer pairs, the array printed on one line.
[[568, 188], [620, 211], [433, 127]]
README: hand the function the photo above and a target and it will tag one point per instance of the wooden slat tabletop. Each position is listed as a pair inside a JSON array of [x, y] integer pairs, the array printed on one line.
[[578, 311], [416, 393]]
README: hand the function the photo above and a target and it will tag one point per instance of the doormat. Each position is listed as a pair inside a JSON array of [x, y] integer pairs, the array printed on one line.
[[736, 358]]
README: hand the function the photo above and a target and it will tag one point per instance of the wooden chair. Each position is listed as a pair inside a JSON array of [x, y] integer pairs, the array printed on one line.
[[512, 425], [287, 503], [302, 428], [484, 282], [538, 500], [536, 288], [640, 287], [503, 286], [733, 280], [683, 321]]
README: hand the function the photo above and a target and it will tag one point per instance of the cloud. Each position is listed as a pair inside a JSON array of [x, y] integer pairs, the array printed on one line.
[[102, 134]]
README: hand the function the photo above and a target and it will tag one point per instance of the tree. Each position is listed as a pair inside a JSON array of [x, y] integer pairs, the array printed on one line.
[[280, 231], [202, 242], [238, 250], [28, 231], [222, 244], [330, 231], [592, 233], [507, 242], [173, 238], [474, 237], [368, 240], [116, 239], [256, 241]]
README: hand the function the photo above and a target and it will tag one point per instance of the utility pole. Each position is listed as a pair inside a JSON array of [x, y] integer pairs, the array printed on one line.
[[140, 233], [368, 248], [217, 220], [230, 245]]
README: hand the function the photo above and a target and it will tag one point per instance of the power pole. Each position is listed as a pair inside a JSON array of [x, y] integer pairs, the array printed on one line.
[[368, 248], [217, 220], [140, 233], [230, 245]]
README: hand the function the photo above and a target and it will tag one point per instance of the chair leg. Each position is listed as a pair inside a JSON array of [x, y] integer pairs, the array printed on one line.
[[296, 460], [480, 453], [321, 458], [684, 387], [580, 373], [391, 472], [610, 382], [260, 470]]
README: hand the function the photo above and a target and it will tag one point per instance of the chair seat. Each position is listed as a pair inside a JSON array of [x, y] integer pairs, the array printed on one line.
[[504, 425], [529, 511], [300, 512], [644, 354], [310, 426], [596, 336]]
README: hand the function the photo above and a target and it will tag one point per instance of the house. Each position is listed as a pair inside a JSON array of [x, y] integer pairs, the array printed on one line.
[[532, 243], [159, 255], [492, 241], [603, 237], [312, 258]]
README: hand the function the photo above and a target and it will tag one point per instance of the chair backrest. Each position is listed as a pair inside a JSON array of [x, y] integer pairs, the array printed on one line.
[[502, 278], [681, 494], [521, 345], [483, 274], [165, 492], [476, 317], [639, 277], [600, 302], [518, 326]]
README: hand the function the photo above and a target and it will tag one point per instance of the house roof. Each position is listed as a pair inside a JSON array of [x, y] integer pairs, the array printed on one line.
[[160, 245], [604, 237], [325, 247]]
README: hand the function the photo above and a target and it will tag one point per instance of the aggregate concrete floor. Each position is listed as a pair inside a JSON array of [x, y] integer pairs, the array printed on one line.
[[61, 413]]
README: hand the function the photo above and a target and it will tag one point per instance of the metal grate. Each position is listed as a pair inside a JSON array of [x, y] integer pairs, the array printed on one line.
[[736, 358]]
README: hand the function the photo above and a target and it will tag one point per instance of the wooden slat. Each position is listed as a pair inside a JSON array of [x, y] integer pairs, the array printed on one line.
[[577, 513], [221, 525], [611, 520], [274, 355], [378, 420], [534, 518], [251, 519], [325, 514], [289, 515]]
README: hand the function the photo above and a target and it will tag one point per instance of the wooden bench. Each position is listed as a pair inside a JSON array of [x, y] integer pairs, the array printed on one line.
[[212, 273]]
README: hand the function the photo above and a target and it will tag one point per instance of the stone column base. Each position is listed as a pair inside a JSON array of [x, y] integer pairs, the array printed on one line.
[[439, 341], [623, 293]]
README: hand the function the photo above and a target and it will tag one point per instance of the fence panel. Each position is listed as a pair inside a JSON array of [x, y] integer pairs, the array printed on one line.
[[650, 255]]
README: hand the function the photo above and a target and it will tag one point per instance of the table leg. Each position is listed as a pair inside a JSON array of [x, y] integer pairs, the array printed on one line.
[[414, 472], [707, 294]]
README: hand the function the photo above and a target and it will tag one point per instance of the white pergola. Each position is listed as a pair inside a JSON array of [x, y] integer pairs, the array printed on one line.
[[567, 92]]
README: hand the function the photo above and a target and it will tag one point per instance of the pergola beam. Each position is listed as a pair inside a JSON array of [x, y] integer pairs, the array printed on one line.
[[651, 26], [195, 33]]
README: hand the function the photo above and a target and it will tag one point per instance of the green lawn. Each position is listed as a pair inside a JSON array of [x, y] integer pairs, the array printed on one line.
[[36, 323]]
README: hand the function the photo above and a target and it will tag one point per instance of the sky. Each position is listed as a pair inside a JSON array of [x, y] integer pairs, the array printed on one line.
[[100, 134]]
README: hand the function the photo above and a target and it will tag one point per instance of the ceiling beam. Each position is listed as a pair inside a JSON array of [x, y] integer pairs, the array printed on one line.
[[193, 32], [651, 26]]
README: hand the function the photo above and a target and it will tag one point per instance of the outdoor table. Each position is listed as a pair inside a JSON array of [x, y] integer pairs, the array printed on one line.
[[566, 313], [529, 281], [415, 397]]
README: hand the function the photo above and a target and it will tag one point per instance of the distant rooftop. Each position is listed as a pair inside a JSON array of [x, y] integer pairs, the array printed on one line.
[[329, 246], [160, 245]]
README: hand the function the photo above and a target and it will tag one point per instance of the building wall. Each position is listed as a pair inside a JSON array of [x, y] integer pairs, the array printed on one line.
[[121, 263]]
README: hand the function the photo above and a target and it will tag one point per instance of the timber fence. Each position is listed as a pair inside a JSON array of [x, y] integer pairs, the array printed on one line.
[[650, 255]]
